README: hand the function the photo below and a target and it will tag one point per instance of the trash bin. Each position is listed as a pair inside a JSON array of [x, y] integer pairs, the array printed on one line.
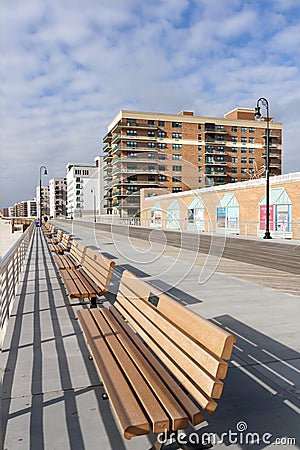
[[37, 224]]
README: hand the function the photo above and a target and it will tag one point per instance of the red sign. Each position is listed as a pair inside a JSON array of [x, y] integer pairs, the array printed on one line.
[[263, 216]]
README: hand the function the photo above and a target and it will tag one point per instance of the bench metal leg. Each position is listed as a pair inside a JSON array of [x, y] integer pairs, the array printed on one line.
[[93, 302]]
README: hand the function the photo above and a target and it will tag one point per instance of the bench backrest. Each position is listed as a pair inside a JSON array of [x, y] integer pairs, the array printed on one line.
[[65, 241], [98, 267], [191, 347], [59, 235], [77, 251]]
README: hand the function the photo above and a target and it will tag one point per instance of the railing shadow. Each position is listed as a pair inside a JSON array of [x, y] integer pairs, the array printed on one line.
[[69, 393], [260, 395]]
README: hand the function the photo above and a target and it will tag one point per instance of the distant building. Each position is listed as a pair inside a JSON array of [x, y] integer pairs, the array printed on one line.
[[25, 208], [179, 152], [82, 190], [44, 198], [58, 197]]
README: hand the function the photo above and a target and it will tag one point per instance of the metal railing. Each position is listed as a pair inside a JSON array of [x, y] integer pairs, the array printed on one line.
[[11, 267]]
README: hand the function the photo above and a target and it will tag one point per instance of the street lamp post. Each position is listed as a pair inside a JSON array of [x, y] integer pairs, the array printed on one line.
[[258, 115], [94, 203], [45, 173]]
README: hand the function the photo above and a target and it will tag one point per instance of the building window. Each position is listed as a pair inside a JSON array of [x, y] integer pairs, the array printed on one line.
[[131, 132], [161, 134], [151, 144], [131, 144], [200, 158], [220, 180], [176, 146], [220, 128], [178, 157], [161, 145], [176, 179], [151, 133], [131, 121], [251, 130], [244, 139], [234, 149], [233, 138], [243, 129], [151, 178], [199, 180], [251, 150], [176, 135], [234, 180], [199, 168], [251, 140], [234, 129], [243, 150], [161, 168], [234, 170], [199, 148], [161, 123], [243, 160], [177, 168], [251, 160], [162, 157], [177, 124], [177, 189], [150, 122], [162, 178], [220, 158], [234, 160], [243, 170], [85, 172], [77, 180], [151, 156]]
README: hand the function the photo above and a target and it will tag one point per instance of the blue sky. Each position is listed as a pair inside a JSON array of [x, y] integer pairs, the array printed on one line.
[[68, 68]]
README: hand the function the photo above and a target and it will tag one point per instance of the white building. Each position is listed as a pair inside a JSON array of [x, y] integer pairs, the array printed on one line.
[[45, 210], [82, 190], [58, 197], [100, 166]]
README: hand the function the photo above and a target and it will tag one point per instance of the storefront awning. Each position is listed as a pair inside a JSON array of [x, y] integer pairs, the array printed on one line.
[[173, 205], [278, 196], [227, 200], [196, 203]]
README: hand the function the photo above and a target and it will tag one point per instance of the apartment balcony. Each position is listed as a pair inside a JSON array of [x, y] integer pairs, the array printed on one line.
[[116, 138], [272, 155], [107, 137], [215, 141], [108, 176], [215, 151], [215, 131], [134, 171], [272, 135], [138, 183], [125, 124], [107, 157], [215, 163], [216, 174]]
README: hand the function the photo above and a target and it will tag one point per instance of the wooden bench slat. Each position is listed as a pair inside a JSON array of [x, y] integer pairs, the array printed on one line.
[[159, 419], [132, 419], [205, 401], [212, 364], [193, 412], [74, 286], [209, 335], [209, 384], [179, 418]]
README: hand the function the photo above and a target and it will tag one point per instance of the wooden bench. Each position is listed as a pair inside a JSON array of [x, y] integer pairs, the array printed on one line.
[[57, 238], [91, 280], [62, 245], [161, 364], [48, 229], [72, 259]]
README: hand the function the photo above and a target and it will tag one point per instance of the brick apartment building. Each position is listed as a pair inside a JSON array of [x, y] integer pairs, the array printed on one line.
[[179, 152]]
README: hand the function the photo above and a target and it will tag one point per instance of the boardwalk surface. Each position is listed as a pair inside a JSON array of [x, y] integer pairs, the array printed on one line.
[[52, 395]]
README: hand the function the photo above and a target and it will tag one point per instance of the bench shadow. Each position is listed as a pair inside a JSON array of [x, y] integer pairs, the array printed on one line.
[[69, 395], [261, 390]]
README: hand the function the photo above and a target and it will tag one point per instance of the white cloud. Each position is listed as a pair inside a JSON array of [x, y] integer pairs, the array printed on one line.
[[69, 67]]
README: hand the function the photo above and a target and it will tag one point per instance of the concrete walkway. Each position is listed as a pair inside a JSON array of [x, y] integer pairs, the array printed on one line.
[[52, 395]]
